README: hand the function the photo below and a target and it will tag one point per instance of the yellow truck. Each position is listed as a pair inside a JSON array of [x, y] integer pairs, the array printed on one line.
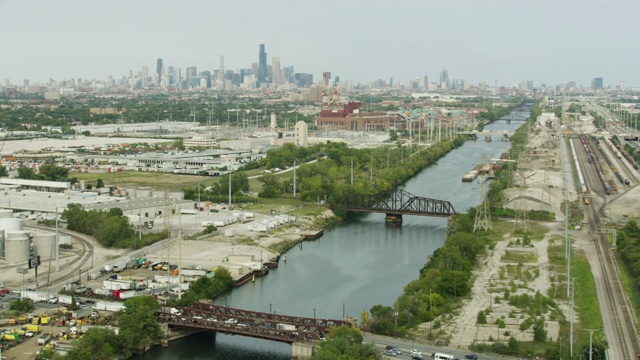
[[22, 319], [33, 328], [12, 321], [44, 319], [12, 337]]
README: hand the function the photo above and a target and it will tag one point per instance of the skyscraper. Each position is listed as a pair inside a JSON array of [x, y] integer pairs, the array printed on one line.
[[159, 70], [596, 83], [262, 66], [444, 79], [277, 71], [221, 71]]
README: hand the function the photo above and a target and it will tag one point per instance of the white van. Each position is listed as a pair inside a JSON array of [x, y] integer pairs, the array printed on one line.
[[440, 356]]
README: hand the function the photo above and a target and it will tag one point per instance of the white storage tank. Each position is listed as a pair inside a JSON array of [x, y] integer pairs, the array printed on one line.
[[44, 244], [10, 224], [6, 213], [17, 244]]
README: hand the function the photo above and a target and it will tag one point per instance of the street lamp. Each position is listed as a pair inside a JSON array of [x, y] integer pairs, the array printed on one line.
[[314, 313], [395, 323]]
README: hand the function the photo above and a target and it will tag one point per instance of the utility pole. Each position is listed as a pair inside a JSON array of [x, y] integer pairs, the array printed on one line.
[[351, 171], [135, 246], [294, 178], [590, 341], [179, 254], [229, 191], [371, 169], [57, 242], [571, 319]]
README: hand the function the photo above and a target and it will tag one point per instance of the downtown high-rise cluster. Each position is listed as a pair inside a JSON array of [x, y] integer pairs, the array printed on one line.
[[261, 74]]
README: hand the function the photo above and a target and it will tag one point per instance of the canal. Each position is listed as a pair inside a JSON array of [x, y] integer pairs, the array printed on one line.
[[354, 266]]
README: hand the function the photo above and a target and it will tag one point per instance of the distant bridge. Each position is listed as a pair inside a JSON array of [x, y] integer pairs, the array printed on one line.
[[305, 332], [397, 203], [491, 133]]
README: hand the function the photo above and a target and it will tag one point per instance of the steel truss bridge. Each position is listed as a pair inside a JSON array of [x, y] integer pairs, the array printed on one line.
[[397, 203], [277, 327]]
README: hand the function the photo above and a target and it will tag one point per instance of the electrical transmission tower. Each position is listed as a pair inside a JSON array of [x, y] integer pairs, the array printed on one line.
[[483, 215], [521, 221]]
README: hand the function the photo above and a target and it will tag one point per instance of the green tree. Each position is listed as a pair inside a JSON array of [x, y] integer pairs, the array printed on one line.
[[98, 344], [513, 346], [179, 144], [23, 305], [271, 186], [481, 318], [138, 322], [539, 333], [113, 229], [100, 183], [3, 171], [26, 173], [52, 172], [344, 343]]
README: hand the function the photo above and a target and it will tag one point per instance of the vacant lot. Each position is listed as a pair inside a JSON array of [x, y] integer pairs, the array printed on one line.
[[157, 180]]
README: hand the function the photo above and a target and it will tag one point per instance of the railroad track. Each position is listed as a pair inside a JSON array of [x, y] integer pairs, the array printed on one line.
[[78, 263], [617, 307]]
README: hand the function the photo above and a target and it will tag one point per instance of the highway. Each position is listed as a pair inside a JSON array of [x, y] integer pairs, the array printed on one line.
[[405, 345]]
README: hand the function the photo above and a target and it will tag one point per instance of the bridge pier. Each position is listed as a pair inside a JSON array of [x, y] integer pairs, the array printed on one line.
[[300, 350], [393, 218]]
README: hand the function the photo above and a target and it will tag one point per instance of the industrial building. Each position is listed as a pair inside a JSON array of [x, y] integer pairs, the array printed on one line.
[[336, 115]]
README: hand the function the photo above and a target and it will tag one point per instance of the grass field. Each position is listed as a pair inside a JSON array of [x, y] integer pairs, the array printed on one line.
[[157, 180]]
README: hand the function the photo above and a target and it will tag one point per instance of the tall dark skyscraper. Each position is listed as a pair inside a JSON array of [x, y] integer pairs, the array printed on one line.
[[159, 71], [262, 66]]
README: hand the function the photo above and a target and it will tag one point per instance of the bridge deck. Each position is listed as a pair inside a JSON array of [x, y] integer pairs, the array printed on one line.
[[276, 327]]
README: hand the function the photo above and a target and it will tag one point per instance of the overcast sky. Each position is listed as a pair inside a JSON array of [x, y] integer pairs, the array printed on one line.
[[548, 42]]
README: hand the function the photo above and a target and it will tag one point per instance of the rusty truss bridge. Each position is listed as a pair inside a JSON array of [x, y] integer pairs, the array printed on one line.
[[397, 203], [271, 326]]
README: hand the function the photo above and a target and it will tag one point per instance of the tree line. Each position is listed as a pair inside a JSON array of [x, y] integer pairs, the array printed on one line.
[[111, 228]]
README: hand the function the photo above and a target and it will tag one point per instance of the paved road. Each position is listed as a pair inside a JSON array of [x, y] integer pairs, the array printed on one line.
[[405, 345]]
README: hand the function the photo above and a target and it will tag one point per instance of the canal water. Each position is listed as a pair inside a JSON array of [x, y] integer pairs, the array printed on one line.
[[354, 266]]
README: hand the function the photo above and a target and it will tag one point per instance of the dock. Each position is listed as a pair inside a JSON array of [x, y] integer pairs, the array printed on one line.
[[312, 235]]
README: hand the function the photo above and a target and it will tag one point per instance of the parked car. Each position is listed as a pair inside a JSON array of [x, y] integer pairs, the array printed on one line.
[[471, 356], [390, 353]]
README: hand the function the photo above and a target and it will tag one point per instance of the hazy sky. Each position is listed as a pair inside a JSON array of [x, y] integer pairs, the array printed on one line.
[[362, 40]]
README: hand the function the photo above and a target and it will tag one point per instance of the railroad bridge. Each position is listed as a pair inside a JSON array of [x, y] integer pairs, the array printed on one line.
[[397, 203], [300, 332]]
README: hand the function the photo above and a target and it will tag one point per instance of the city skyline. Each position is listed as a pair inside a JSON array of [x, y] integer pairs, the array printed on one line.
[[489, 41]]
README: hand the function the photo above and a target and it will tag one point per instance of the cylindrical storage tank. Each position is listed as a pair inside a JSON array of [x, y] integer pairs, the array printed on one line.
[[10, 224], [6, 213], [44, 244], [17, 245]]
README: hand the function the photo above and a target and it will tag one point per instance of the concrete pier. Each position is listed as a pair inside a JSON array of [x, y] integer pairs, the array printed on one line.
[[302, 350]]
